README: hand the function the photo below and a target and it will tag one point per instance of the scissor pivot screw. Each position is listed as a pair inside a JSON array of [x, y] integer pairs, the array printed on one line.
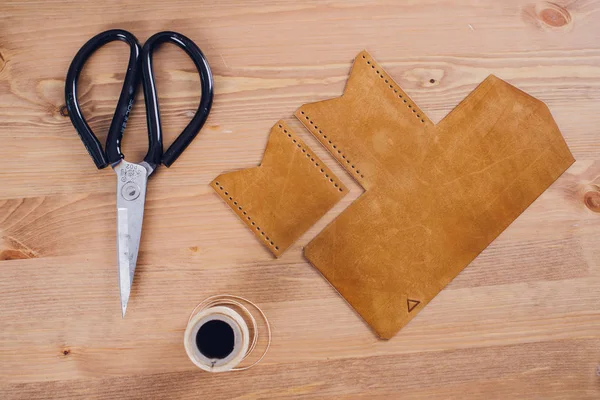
[[130, 191]]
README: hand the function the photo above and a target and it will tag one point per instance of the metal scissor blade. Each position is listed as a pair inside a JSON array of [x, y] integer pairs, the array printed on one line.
[[123, 257], [131, 195]]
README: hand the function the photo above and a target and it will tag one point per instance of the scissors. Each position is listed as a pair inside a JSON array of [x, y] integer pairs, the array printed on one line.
[[132, 178]]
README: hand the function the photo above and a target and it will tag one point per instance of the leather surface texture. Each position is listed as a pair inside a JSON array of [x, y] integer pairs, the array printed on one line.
[[285, 195], [435, 195]]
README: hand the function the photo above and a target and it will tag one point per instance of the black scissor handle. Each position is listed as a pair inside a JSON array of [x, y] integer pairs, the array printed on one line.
[[155, 155], [113, 154]]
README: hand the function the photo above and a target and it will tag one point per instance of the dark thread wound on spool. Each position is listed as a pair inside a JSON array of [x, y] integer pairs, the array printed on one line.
[[215, 339]]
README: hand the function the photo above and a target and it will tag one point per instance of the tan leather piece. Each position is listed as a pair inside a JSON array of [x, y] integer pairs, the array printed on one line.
[[436, 196], [285, 195]]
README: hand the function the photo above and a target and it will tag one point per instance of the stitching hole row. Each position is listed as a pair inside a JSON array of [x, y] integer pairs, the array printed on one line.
[[310, 156], [267, 239], [332, 145], [395, 91]]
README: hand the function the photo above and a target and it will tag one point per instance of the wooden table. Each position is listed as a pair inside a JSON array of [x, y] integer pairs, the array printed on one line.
[[522, 321]]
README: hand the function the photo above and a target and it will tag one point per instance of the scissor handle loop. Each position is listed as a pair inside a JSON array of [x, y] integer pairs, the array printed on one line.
[[155, 154], [112, 155], [140, 64]]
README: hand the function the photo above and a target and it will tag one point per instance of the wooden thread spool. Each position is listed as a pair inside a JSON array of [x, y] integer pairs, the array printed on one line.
[[217, 337]]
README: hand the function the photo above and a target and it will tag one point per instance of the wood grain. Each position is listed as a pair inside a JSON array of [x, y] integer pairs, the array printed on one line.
[[522, 321]]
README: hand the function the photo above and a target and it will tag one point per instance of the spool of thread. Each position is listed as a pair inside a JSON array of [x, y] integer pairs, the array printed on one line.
[[217, 337]]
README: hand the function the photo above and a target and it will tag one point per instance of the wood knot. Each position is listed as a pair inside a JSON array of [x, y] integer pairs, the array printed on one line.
[[554, 15], [15, 250], [63, 111], [66, 352], [194, 249], [424, 77], [591, 200], [11, 254], [548, 15]]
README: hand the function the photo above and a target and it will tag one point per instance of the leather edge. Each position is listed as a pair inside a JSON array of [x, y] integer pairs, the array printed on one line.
[[380, 334], [248, 220]]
